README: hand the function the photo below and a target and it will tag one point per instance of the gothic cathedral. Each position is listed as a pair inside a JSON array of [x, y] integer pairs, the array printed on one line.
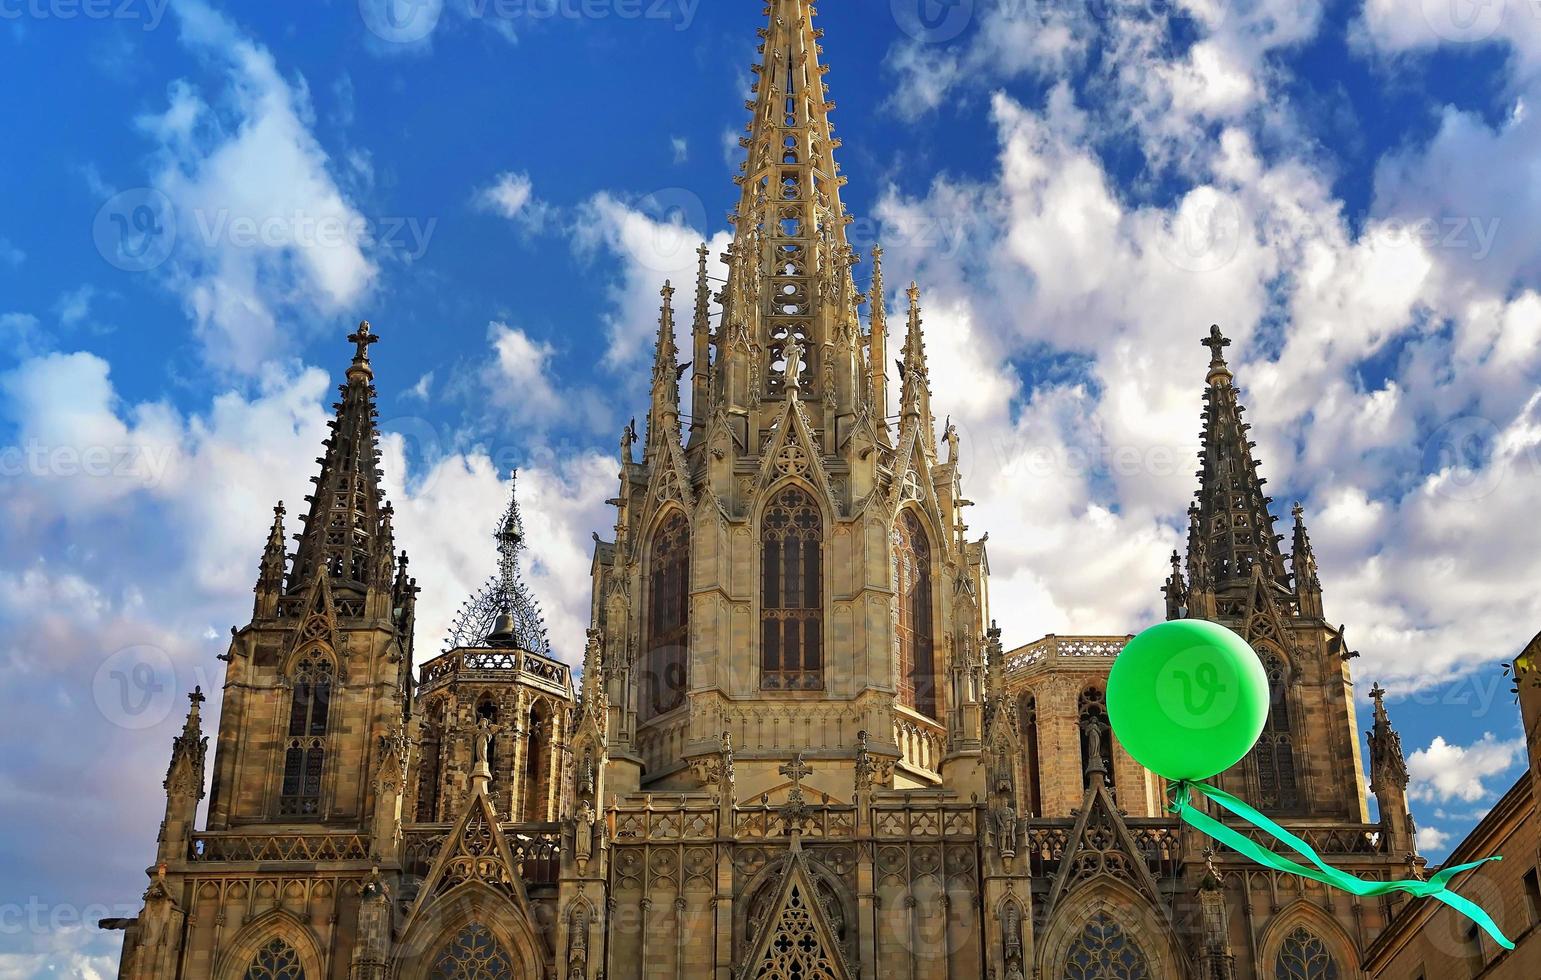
[[797, 748]]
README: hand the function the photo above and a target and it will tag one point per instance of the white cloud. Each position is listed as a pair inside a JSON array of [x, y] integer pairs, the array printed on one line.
[[512, 195], [1444, 772], [11, 255], [1432, 839], [263, 231], [75, 305], [655, 240], [680, 147]]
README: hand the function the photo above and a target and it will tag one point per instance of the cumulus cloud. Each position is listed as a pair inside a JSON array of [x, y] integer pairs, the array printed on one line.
[[264, 233], [654, 240], [1444, 772]]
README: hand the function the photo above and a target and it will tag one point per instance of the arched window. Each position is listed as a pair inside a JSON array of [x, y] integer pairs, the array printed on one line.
[[1027, 720], [1274, 755], [305, 750], [912, 585], [474, 954], [1103, 951], [668, 629], [791, 593], [276, 961], [1303, 956], [1096, 736]]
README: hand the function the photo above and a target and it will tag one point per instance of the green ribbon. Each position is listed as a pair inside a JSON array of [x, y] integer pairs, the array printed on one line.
[[1436, 887]]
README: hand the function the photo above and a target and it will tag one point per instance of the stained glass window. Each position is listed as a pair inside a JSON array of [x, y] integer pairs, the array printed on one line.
[[912, 583], [276, 961], [668, 629], [474, 954], [1303, 956], [1103, 951], [1274, 755], [305, 751], [792, 593]]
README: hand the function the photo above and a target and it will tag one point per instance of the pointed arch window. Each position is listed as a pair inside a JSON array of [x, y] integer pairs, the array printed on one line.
[[1303, 956], [668, 618], [1027, 721], [276, 961], [912, 587], [792, 593], [1096, 737], [474, 954], [1274, 755], [310, 704], [1103, 951]]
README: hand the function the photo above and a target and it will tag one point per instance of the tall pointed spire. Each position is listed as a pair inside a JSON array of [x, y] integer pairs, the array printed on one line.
[[1388, 777], [341, 533], [877, 355], [665, 415], [270, 576], [701, 348], [1308, 583], [916, 376], [1233, 525], [790, 249]]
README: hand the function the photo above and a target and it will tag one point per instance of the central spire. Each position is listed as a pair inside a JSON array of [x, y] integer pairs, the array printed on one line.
[[791, 262]]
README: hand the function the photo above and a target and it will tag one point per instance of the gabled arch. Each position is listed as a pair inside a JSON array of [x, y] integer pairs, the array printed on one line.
[[279, 923], [1302, 914], [1134, 915], [471, 903]]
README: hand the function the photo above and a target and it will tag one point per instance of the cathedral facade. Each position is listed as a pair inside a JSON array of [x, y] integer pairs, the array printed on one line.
[[797, 747]]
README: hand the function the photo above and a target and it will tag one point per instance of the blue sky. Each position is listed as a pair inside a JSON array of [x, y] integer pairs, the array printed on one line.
[[200, 201]]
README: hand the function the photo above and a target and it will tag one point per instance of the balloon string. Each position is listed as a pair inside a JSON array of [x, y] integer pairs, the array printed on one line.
[[1435, 888]]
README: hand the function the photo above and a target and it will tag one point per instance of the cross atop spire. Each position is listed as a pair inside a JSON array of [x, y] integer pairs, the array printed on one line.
[[1387, 765], [361, 339], [1217, 342]]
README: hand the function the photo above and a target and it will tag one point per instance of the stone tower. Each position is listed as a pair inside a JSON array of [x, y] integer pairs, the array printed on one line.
[[794, 569], [1307, 762]]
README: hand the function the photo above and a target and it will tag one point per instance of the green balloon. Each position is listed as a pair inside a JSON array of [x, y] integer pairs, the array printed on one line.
[[1188, 699]]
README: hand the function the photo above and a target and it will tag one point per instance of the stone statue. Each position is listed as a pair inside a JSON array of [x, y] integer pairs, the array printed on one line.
[[583, 833], [628, 437], [793, 354]]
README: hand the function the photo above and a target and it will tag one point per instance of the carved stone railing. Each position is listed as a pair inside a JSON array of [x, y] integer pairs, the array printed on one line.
[[1052, 649], [767, 821], [922, 742], [1157, 840], [536, 849], [1324, 838], [684, 820], [221, 846], [291, 607], [474, 664]]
